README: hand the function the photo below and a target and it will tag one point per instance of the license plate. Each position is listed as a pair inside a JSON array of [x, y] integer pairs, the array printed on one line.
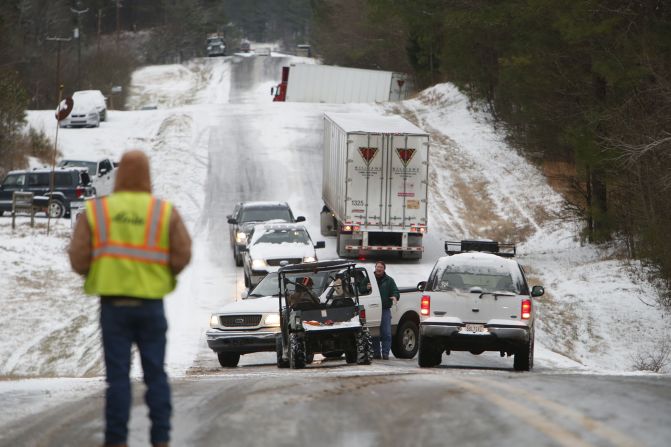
[[475, 328]]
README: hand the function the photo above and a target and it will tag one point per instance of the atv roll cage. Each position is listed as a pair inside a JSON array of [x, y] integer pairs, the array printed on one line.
[[327, 318]]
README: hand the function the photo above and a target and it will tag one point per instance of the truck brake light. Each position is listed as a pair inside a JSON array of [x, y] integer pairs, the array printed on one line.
[[80, 192], [426, 305], [526, 309]]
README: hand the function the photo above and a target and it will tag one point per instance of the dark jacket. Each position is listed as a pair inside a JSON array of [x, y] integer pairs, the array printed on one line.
[[388, 288]]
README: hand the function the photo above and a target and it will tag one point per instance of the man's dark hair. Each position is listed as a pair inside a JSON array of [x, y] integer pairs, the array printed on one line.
[[383, 264]]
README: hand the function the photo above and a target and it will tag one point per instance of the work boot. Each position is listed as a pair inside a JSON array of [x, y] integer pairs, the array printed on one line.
[[377, 356], [385, 356], [160, 444]]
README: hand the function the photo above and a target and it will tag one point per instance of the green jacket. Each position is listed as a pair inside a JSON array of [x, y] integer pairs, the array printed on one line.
[[388, 288]]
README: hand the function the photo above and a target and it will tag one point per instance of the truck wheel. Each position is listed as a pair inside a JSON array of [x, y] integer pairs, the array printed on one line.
[[228, 359], [281, 363], [350, 356], [296, 352], [364, 347], [340, 247], [309, 358], [328, 224], [429, 354], [238, 257], [56, 209], [247, 281], [524, 358], [404, 344]]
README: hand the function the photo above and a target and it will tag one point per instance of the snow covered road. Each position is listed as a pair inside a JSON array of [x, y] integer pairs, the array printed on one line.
[[216, 139]]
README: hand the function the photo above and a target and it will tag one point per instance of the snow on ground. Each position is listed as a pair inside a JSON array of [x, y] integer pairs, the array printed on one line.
[[596, 310], [595, 315]]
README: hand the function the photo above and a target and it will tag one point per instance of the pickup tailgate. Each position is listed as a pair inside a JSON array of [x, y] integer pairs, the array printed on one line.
[[480, 308]]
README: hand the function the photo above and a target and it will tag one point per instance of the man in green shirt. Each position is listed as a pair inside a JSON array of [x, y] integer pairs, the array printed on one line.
[[389, 295]]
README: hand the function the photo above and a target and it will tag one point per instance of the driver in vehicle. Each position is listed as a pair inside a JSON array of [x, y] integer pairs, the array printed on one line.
[[302, 293], [341, 295]]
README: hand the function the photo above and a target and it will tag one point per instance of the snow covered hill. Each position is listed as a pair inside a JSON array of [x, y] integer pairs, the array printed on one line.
[[597, 314]]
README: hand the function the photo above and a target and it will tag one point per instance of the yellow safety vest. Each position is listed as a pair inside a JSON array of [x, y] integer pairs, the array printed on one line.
[[131, 246]]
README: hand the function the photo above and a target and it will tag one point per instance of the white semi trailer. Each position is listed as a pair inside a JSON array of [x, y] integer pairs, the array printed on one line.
[[375, 184], [339, 85]]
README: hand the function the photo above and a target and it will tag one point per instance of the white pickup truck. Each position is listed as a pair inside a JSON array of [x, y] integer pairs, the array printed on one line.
[[101, 171], [477, 299], [250, 325]]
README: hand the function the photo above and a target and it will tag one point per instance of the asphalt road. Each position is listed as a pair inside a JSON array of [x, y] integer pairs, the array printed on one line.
[[389, 403], [257, 154]]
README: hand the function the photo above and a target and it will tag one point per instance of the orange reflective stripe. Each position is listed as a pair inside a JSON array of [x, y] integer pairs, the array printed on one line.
[[148, 235], [135, 254], [99, 216], [106, 217], [161, 220]]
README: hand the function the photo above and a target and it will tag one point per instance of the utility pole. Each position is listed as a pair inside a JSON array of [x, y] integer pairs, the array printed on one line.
[[118, 21], [77, 35], [100, 16], [58, 56]]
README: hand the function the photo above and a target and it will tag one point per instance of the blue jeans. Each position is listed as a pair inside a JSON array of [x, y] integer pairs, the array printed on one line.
[[385, 335], [124, 322]]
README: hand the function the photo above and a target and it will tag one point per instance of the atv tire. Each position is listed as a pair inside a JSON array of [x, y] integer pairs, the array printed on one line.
[[364, 347], [296, 352]]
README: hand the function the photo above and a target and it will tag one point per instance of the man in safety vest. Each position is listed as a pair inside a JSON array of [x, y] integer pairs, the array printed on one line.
[[131, 245]]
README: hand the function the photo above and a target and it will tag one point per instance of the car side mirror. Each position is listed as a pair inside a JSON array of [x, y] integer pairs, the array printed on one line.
[[300, 219], [537, 291], [244, 294], [421, 286], [231, 221], [320, 244], [103, 171]]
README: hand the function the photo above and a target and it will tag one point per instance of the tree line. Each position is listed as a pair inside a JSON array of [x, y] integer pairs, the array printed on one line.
[[584, 84], [96, 44]]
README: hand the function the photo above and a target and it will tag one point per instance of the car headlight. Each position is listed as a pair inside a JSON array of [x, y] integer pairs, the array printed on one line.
[[258, 264], [272, 320], [214, 320], [309, 259], [241, 237], [93, 115]]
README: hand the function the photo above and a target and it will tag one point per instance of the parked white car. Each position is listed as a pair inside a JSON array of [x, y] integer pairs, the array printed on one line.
[[102, 173], [95, 97], [84, 114], [274, 244]]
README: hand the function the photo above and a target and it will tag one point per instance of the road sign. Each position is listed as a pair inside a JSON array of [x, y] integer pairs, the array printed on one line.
[[64, 108]]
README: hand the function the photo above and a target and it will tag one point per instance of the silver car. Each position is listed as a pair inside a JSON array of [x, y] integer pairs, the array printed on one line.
[[84, 114]]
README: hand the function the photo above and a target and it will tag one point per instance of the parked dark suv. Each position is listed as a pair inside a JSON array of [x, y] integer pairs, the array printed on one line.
[[247, 214], [70, 185]]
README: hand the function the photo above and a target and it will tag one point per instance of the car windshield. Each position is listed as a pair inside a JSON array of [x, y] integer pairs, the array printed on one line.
[[264, 214], [281, 236], [216, 41], [269, 285], [488, 277], [89, 165]]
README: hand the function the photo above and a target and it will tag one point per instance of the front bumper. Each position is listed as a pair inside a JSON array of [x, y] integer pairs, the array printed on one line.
[[498, 337], [244, 342]]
